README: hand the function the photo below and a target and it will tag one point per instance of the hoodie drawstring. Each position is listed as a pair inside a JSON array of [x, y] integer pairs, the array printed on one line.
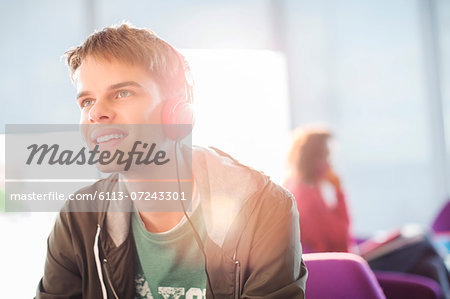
[[98, 264]]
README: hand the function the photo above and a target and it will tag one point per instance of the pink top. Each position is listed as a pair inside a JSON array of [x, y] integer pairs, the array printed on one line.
[[323, 227]]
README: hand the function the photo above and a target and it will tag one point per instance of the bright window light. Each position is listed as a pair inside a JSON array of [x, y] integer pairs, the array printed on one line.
[[241, 105]]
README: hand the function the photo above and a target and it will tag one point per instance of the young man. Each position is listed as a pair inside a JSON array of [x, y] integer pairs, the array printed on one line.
[[241, 239]]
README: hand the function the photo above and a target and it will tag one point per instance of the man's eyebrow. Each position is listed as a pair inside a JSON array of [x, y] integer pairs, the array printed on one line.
[[82, 94], [112, 87], [123, 84]]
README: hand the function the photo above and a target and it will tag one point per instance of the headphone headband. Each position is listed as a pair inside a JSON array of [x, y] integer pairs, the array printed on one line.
[[188, 79], [179, 110]]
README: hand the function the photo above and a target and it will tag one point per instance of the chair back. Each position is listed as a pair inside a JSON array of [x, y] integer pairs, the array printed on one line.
[[399, 285], [340, 275], [441, 223]]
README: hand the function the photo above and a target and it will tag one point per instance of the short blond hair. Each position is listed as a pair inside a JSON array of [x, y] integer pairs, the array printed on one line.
[[136, 46], [309, 145]]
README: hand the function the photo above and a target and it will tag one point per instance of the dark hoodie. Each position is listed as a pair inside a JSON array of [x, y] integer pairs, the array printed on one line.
[[254, 253]]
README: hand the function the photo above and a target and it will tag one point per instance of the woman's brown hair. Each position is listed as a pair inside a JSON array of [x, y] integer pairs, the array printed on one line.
[[308, 148]]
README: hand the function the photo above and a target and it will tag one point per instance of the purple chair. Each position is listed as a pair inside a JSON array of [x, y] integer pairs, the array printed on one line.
[[398, 285], [442, 222], [340, 275]]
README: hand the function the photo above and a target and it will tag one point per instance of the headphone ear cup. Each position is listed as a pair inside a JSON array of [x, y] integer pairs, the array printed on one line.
[[175, 113]]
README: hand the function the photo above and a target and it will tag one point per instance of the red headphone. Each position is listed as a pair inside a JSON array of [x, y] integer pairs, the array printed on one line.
[[179, 111]]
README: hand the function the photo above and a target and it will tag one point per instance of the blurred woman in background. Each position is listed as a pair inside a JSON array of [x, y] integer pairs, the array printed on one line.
[[324, 218]]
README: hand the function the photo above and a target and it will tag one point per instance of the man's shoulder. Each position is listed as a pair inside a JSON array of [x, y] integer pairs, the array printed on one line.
[[279, 198], [224, 165], [217, 159]]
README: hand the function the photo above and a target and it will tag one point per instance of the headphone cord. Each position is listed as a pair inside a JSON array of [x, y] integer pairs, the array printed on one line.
[[196, 234]]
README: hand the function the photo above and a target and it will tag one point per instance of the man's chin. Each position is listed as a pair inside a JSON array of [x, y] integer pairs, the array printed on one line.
[[109, 168]]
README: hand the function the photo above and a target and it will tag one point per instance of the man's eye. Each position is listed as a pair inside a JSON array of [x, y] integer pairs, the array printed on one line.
[[123, 93], [86, 103]]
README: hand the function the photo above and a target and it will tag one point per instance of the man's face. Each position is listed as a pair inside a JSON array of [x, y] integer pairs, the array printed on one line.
[[112, 94]]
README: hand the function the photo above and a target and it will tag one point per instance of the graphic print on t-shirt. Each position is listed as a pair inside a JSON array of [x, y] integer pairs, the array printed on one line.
[[143, 291]]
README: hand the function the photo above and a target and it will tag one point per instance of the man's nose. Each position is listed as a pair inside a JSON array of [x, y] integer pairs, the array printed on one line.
[[101, 112]]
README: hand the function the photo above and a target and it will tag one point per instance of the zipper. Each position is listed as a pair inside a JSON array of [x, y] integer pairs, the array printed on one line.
[[237, 277], [105, 269]]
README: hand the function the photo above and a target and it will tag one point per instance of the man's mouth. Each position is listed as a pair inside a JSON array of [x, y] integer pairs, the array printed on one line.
[[108, 136]]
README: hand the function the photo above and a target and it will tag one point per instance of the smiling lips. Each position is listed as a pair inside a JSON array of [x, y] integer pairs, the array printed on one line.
[[108, 136]]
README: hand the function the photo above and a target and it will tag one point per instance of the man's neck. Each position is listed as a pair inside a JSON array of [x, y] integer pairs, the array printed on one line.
[[154, 222], [159, 222]]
